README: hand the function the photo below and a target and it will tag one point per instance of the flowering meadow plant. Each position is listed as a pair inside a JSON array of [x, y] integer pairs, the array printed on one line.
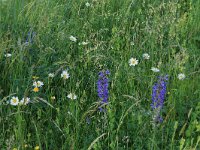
[[159, 91], [99, 75], [102, 88]]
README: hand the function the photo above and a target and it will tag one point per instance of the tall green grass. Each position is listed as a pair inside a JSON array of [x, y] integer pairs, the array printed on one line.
[[116, 31]]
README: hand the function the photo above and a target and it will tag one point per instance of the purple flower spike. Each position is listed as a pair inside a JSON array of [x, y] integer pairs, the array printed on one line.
[[102, 89], [158, 96], [107, 72]]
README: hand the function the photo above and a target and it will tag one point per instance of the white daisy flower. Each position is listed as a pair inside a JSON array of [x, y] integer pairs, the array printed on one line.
[[146, 56], [155, 69], [8, 55], [133, 62], [181, 76], [65, 74], [87, 4], [72, 38], [38, 84], [14, 101], [51, 75], [72, 96], [25, 101]]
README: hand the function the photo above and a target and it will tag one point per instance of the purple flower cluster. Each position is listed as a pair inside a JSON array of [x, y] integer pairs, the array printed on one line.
[[158, 96], [102, 88]]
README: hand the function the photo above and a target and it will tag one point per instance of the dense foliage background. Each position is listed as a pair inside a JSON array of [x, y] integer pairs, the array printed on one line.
[[36, 34]]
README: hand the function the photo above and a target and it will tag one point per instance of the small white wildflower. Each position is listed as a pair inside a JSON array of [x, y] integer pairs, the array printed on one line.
[[35, 84], [14, 101], [65, 74], [87, 4], [132, 43], [51, 75], [25, 101], [72, 96], [181, 76], [38, 84], [83, 43], [69, 113], [72, 38], [155, 69], [8, 55], [53, 97], [133, 62], [146, 56]]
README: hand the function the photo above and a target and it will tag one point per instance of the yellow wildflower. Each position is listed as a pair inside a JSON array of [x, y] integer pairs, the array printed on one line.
[[36, 89], [37, 148], [53, 98], [35, 77], [25, 145]]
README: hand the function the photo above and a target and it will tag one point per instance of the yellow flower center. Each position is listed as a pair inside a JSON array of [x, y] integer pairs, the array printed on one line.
[[37, 148], [133, 61], [65, 76], [14, 100], [36, 89]]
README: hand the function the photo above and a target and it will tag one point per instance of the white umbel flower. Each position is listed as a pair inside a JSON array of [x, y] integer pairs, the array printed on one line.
[[181, 76], [72, 96], [146, 56], [155, 69], [25, 101], [38, 84], [65, 75], [133, 62], [14, 101], [8, 55], [72, 38]]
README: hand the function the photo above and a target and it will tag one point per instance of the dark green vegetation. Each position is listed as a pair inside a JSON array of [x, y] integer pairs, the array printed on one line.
[[168, 30]]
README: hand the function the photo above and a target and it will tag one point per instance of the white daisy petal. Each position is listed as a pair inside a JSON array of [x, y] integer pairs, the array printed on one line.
[[155, 69], [38, 83], [72, 38], [8, 55], [65, 75], [51, 75], [133, 62], [14, 101], [87, 4], [146, 56], [25, 101], [181, 76], [72, 96]]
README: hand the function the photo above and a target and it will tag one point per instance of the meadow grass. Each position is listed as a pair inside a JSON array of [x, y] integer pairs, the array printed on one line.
[[36, 40]]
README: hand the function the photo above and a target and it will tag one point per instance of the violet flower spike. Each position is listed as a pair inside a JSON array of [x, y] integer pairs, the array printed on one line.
[[102, 89], [158, 96]]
